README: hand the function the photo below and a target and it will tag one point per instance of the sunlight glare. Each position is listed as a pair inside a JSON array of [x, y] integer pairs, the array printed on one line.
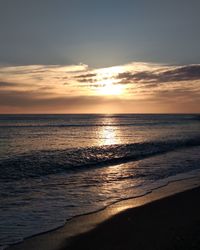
[[111, 89]]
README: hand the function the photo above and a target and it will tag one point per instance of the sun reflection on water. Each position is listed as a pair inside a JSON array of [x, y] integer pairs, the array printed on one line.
[[109, 134]]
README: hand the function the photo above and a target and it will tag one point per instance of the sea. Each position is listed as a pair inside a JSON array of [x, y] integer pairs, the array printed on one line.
[[55, 167]]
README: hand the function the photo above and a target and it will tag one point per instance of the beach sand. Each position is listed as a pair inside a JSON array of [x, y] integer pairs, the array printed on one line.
[[148, 222], [170, 223]]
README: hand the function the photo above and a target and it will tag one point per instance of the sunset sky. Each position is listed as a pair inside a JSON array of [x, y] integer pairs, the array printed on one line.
[[75, 56]]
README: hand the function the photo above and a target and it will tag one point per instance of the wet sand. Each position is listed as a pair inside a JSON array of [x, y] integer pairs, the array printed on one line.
[[167, 218], [170, 223]]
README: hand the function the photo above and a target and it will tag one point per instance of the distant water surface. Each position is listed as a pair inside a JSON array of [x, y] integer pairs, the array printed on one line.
[[53, 167]]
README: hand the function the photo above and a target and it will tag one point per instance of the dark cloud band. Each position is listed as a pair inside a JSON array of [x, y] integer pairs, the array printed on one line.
[[184, 73]]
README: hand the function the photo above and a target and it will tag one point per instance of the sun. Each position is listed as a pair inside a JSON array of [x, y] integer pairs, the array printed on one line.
[[107, 83], [110, 89]]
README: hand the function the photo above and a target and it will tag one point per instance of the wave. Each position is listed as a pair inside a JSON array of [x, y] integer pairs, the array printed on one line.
[[42, 163], [62, 121], [89, 125], [135, 124]]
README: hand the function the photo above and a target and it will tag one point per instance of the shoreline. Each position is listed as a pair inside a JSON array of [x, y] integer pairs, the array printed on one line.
[[171, 223], [59, 238]]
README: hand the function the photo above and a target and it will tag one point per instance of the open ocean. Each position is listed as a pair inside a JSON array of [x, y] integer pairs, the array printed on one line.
[[54, 167]]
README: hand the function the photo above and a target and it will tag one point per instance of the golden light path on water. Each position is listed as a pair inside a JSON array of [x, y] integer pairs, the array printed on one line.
[[109, 134]]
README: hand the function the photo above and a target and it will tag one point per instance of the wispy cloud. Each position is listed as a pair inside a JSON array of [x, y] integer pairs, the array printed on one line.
[[78, 86], [7, 84], [160, 75]]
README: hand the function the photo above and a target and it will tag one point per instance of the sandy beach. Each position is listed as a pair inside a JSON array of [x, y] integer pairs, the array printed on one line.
[[167, 218], [170, 223]]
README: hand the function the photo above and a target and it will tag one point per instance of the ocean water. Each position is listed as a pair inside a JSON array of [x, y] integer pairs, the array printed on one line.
[[54, 167]]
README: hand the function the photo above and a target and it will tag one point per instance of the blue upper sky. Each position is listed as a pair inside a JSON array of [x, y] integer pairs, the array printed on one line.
[[99, 33]]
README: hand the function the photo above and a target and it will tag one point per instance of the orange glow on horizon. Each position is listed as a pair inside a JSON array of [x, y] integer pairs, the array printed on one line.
[[130, 88]]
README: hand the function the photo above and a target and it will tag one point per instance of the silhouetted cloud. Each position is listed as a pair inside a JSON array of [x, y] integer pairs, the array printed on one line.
[[4, 85], [7, 84], [184, 73], [86, 78], [86, 75]]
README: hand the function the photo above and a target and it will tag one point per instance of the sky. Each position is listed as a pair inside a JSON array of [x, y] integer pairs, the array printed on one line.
[[75, 56]]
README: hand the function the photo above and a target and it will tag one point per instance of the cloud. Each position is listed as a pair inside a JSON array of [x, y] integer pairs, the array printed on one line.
[[185, 73], [7, 84], [11, 85], [87, 78], [34, 102], [35, 99], [86, 75], [58, 87], [172, 74]]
